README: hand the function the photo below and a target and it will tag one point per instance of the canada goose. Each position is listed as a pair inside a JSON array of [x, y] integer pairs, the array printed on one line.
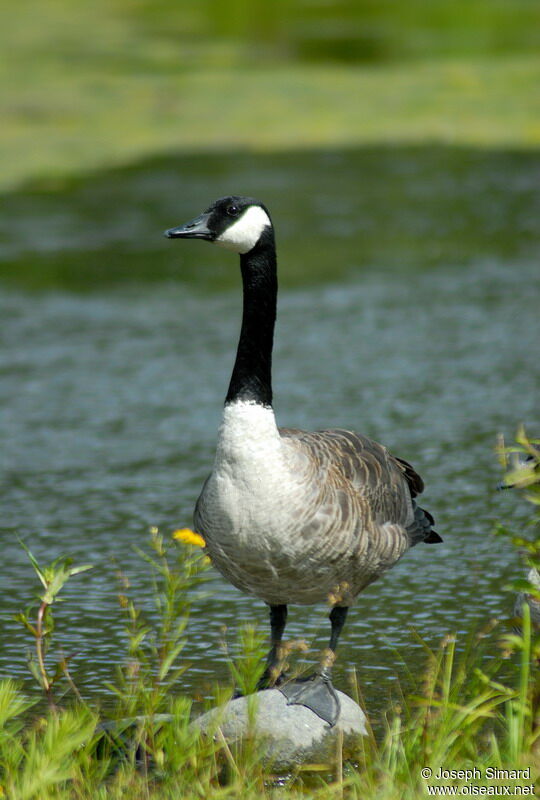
[[291, 516]]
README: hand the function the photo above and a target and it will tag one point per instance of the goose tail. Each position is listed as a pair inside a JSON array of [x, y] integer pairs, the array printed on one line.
[[421, 529]]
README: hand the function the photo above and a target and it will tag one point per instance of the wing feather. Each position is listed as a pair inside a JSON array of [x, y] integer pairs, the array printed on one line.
[[350, 465]]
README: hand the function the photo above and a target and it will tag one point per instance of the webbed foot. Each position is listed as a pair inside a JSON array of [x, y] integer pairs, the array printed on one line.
[[316, 693]]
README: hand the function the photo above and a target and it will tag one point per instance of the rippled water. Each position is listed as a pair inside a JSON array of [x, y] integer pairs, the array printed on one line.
[[109, 405]]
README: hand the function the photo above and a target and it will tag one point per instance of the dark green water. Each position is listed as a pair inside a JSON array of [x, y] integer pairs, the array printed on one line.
[[408, 311]]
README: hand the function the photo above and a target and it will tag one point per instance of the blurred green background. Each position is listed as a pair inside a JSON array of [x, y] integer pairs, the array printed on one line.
[[417, 124], [93, 84]]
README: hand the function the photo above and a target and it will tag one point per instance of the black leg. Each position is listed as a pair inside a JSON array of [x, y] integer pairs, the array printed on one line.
[[317, 691], [278, 620], [338, 615]]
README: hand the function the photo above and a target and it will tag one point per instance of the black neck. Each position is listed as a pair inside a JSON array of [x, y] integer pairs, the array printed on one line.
[[252, 374]]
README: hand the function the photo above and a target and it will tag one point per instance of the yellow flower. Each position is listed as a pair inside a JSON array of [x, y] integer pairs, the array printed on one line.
[[188, 536]]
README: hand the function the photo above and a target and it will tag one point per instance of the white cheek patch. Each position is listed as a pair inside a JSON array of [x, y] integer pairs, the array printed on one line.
[[244, 234]]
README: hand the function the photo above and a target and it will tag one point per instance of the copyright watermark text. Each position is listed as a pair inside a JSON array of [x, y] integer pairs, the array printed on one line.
[[494, 782]]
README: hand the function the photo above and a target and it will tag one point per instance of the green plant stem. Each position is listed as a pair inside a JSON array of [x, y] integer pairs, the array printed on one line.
[[40, 638]]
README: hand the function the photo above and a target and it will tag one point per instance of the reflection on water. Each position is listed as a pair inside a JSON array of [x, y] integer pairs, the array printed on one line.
[[405, 208], [110, 402]]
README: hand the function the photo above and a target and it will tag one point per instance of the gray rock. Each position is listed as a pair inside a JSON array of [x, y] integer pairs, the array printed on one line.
[[292, 734]]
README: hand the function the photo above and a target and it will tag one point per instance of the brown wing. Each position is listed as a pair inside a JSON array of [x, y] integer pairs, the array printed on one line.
[[366, 480], [349, 461]]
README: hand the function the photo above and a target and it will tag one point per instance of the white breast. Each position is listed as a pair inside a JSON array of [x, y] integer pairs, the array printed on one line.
[[247, 506], [250, 472]]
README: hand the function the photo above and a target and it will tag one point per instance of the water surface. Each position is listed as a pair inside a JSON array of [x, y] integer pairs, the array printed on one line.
[[408, 312]]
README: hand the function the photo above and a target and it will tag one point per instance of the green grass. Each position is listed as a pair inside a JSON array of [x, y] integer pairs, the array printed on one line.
[[102, 84], [463, 718], [88, 118], [468, 711]]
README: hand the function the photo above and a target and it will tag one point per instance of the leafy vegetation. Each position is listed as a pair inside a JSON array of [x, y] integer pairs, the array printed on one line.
[[470, 710]]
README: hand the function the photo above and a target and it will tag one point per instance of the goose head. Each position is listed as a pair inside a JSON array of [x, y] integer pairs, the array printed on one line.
[[236, 223]]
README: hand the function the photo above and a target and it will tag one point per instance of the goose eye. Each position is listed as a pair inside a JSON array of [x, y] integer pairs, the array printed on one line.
[[233, 210]]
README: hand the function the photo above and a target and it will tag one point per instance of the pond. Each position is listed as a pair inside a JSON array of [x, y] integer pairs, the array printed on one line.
[[408, 311]]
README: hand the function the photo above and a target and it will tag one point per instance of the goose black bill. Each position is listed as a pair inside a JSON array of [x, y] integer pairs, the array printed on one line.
[[196, 229]]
